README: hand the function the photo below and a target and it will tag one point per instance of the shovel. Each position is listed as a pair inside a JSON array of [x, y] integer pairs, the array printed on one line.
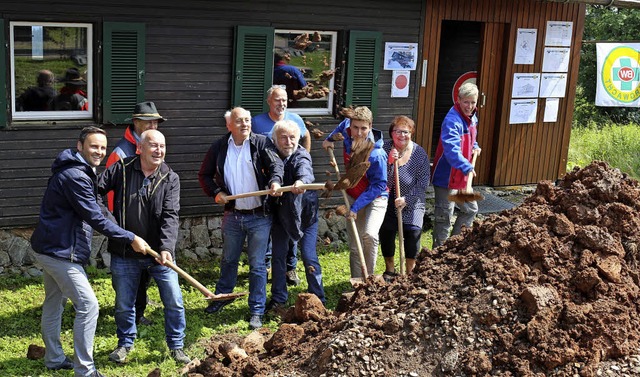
[[309, 186], [352, 224], [467, 195], [400, 230], [207, 293]]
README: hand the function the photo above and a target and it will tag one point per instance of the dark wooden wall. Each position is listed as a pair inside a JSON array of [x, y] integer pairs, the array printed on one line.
[[189, 47], [512, 154]]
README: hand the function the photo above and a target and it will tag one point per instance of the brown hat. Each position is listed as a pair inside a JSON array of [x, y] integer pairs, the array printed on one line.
[[72, 77], [146, 111]]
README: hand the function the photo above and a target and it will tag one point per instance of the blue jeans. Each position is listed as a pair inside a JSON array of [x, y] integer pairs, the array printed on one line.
[[255, 228], [313, 272], [125, 278], [292, 256]]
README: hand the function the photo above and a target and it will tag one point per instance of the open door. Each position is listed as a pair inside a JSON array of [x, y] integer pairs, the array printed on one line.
[[471, 52]]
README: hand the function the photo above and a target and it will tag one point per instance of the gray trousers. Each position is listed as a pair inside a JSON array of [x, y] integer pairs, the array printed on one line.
[[368, 224], [62, 280], [443, 212]]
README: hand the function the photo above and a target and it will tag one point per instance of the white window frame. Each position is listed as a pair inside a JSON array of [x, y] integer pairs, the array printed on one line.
[[328, 110], [53, 115]]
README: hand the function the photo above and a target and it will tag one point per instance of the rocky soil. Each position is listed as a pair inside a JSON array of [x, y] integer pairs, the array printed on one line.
[[549, 288]]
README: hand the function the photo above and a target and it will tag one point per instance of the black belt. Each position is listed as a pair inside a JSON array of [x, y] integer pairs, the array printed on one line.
[[253, 211]]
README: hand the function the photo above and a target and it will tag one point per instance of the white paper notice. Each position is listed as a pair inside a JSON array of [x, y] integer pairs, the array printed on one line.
[[556, 59], [553, 85], [525, 85], [400, 83], [526, 46], [558, 33], [551, 109], [523, 111]]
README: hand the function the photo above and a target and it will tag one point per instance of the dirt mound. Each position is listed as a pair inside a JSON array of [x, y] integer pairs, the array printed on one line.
[[548, 288]]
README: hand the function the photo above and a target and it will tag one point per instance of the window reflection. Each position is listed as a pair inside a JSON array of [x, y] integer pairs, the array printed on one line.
[[50, 67], [304, 62]]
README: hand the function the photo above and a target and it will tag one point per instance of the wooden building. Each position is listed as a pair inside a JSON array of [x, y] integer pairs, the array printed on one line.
[[196, 58]]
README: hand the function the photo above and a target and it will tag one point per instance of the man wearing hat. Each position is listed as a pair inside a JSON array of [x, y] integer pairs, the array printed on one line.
[[72, 96], [145, 117]]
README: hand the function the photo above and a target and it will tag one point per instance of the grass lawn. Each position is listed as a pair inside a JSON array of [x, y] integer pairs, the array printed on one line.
[[22, 298]]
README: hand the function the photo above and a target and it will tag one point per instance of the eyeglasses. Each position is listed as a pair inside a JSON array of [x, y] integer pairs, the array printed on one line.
[[401, 132], [144, 189]]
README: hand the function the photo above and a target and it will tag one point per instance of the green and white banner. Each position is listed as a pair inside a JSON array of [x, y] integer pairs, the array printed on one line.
[[618, 74]]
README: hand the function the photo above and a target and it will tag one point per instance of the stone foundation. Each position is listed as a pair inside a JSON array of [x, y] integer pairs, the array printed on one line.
[[199, 238]]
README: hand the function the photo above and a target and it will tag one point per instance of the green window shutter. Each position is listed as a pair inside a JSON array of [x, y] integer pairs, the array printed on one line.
[[123, 69], [363, 68], [3, 78], [253, 67]]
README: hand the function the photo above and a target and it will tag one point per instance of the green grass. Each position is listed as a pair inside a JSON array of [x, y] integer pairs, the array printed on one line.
[[22, 303], [313, 60], [618, 145]]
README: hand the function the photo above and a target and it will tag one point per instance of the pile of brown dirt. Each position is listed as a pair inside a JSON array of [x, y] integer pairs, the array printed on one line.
[[548, 288]]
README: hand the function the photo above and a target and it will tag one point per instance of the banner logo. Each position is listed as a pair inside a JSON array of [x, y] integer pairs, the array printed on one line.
[[620, 76]]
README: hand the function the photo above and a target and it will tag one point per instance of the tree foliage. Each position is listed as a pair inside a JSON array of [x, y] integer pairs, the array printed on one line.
[[603, 24]]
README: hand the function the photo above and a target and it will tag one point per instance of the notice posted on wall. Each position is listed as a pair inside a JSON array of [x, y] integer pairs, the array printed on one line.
[[558, 33], [523, 111], [526, 46], [400, 84], [551, 107], [399, 55], [553, 85], [525, 85], [556, 59]]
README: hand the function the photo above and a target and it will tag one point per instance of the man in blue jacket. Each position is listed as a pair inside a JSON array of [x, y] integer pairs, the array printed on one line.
[[62, 242], [296, 216]]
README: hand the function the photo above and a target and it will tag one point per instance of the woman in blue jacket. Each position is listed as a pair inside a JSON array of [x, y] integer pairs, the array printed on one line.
[[452, 163]]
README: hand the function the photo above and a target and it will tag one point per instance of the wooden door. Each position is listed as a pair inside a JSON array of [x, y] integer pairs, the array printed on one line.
[[490, 83]]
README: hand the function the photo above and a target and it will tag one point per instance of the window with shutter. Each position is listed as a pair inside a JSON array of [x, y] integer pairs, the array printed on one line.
[[51, 70], [363, 69], [123, 69], [253, 67]]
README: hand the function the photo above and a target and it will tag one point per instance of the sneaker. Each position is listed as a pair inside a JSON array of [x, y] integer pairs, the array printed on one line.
[[389, 276], [179, 356], [255, 322], [119, 355], [216, 306], [96, 374], [274, 306], [144, 321], [292, 278], [67, 363]]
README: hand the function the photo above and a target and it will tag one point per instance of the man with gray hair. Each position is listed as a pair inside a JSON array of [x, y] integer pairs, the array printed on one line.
[[296, 217], [263, 124], [452, 163], [147, 202], [236, 163]]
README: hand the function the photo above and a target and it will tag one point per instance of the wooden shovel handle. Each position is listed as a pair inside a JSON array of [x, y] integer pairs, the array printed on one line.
[[352, 222], [400, 230], [307, 186], [474, 156], [182, 273]]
